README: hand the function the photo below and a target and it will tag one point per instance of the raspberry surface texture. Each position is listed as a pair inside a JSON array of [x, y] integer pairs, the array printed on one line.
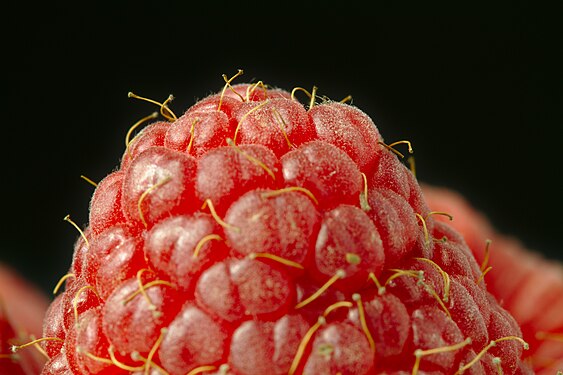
[[534, 291], [258, 235]]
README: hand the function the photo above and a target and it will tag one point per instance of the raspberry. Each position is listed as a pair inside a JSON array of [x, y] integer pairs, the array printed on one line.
[[256, 235], [534, 291], [326, 171], [9, 362], [22, 307], [267, 347]]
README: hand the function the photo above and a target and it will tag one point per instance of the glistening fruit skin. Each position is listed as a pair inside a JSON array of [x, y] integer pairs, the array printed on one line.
[[256, 235]]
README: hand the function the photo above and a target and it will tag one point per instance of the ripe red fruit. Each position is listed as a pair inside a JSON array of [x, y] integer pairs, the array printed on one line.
[[267, 347], [10, 364], [282, 225], [105, 205], [534, 291], [158, 183], [22, 307], [349, 129], [194, 339], [179, 248], [254, 235], [225, 172]]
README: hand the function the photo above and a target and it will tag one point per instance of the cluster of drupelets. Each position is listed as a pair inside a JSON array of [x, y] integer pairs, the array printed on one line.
[[345, 283]]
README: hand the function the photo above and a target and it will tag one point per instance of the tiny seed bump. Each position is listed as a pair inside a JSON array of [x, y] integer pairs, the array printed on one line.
[[224, 368], [115, 361], [380, 288], [325, 350], [353, 258]]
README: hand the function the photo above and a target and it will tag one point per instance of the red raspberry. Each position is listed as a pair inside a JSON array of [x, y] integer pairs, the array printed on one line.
[[255, 235], [22, 307], [534, 291]]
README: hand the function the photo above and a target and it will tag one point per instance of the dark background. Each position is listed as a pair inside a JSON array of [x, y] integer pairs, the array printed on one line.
[[476, 89]]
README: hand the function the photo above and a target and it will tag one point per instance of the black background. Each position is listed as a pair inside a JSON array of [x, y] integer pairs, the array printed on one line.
[[476, 88]]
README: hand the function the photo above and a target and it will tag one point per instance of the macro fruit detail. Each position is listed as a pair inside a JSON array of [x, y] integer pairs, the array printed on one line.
[[257, 235]]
